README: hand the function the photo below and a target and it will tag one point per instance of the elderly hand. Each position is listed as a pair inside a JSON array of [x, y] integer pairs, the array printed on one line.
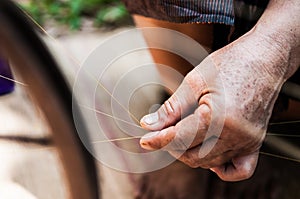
[[217, 118]]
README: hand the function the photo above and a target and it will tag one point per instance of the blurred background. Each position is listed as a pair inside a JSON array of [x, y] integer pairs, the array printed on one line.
[[76, 15], [30, 164]]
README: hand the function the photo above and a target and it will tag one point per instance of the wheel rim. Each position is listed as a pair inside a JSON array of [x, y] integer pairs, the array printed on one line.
[[31, 59]]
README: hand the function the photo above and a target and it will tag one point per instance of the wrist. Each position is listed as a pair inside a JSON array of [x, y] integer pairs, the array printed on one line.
[[283, 46], [252, 71], [273, 52], [279, 30]]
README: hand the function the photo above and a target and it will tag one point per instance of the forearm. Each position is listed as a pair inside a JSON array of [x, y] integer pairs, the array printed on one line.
[[267, 55], [280, 25]]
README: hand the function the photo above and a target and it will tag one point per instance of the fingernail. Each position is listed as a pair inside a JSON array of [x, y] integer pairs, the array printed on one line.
[[150, 119]]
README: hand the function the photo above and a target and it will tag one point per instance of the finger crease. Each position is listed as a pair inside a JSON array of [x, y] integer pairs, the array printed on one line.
[[169, 107]]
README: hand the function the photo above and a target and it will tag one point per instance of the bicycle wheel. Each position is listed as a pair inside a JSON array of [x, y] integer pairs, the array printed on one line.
[[21, 44]]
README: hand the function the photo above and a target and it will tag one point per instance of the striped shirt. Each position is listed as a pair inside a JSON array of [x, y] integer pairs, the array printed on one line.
[[198, 11]]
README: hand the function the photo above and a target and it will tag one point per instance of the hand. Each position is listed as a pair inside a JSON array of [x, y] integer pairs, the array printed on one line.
[[217, 118]]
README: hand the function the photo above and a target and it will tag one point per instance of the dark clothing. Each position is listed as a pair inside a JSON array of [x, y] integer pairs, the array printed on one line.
[[198, 11]]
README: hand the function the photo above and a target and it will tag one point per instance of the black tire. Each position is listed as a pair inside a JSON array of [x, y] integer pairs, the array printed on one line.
[[21, 44]]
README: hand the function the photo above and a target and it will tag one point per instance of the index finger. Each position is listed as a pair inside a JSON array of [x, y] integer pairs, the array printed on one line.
[[186, 134]]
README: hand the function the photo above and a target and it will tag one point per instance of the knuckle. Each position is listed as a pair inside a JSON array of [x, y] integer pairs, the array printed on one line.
[[169, 110], [192, 163], [195, 81], [168, 107], [204, 115], [174, 104], [246, 174], [194, 166], [203, 165], [180, 141], [167, 138]]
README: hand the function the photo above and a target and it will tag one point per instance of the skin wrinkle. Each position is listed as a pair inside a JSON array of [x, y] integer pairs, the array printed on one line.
[[251, 70], [190, 157], [248, 143], [280, 60], [175, 102], [202, 126], [186, 139], [225, 157], [200, 83], [232, 149], [180, 143], [287, 35], [261, 72], [259, 139], [165, 111], [169, 107], [191, 100], [180, 140], [258, 80], [283, 29]]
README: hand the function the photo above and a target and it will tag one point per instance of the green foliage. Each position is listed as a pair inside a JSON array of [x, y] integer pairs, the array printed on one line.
[[70, 12]]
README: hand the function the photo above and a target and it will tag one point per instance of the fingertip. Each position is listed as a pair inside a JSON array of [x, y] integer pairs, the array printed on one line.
[[149, 119], [146, 146], [147, 141], [144, 125], [151, 122]]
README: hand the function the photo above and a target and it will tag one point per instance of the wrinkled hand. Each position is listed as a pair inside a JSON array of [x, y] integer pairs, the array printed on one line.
[[217, 118]]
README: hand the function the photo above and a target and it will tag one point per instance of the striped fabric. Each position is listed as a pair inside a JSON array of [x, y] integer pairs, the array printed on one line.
[[197, 11], [201, 11], [184, 11]]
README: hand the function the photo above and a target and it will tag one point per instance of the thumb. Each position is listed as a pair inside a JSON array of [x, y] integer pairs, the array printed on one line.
[[241, 168], [183, 102]]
